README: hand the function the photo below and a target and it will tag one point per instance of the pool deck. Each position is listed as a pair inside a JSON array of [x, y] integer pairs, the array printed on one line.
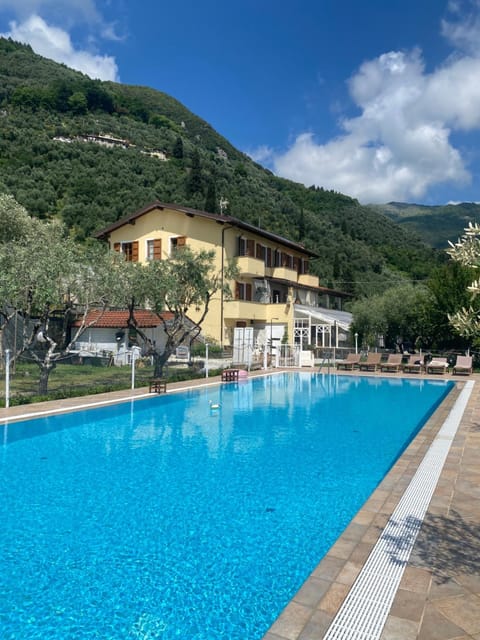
[[439, 594]]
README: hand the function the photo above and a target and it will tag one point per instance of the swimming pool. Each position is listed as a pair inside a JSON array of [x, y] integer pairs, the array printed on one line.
[[164, 518]]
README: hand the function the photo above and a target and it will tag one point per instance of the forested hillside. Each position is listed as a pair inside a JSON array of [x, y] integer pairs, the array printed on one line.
[[89, 152], [436, 225]]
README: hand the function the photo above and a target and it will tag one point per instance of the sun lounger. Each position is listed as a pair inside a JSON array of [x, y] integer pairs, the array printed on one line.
[[372, 362], [437, 365], [463, 365], [393, 363], [414, 364], [351, 361]]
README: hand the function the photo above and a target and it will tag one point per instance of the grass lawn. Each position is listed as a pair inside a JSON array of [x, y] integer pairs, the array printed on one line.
[[70, 380]]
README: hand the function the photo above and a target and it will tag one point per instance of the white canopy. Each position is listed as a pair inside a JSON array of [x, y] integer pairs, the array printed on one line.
[[341, 319]]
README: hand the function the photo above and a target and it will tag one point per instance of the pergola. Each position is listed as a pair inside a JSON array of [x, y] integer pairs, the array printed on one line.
[[320, 327]]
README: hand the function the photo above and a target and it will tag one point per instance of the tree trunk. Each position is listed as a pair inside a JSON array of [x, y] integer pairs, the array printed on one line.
[[159, 360], [45, 371]]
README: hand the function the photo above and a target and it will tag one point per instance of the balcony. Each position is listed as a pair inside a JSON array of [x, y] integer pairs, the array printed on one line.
[[284, 273], [251, 267], [244, 310], [308, 280]]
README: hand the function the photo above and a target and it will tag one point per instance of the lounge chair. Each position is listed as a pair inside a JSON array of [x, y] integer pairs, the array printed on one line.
[[351, 361], [437, 365], [393, 363], [414, 364], [372, 362], [463, 365]]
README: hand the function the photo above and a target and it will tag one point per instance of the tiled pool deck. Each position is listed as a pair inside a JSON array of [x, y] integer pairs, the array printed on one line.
[[439, 595]]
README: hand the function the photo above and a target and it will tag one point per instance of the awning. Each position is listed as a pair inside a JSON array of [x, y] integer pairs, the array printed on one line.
[[341, 319]]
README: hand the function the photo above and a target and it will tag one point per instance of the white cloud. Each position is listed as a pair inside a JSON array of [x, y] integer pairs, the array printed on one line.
[[263, 153], [55, 43], [463, 29], [71, 12], [400, 144]]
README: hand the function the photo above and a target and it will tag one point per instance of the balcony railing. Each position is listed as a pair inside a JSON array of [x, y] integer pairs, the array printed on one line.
[[284, 273], [245, 309], [249, 266], [308, 280]]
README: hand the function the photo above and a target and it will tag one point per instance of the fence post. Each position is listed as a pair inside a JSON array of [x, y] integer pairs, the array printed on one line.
[[206, 360], [7, 378], [133, 368]]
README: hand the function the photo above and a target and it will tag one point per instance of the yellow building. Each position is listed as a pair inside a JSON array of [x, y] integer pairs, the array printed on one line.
[[274, 294]]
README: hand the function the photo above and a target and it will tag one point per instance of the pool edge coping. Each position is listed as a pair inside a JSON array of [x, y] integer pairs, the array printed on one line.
[[312, 610]]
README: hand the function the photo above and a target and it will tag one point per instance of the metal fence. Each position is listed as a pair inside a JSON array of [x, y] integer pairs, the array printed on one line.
[[77, 377]]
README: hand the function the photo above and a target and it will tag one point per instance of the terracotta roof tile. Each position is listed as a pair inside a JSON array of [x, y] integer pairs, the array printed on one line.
[[119, 319]]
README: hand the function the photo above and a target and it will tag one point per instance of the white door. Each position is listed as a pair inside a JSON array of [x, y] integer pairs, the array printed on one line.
[[242, 345]]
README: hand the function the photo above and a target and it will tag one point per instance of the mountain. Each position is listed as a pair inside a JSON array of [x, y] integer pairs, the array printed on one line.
[[436, 225], [89, 152]]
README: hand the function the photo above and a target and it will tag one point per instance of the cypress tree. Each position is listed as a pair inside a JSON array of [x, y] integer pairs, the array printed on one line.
[[177, 151], [194, 179], [211, 198]]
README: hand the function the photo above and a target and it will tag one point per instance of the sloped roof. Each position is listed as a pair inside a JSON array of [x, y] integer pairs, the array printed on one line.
[[329, 316], [119, 319], [224, 220]]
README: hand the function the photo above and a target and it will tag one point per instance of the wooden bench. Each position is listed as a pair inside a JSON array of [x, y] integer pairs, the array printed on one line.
[[158, 385], [230, 375]]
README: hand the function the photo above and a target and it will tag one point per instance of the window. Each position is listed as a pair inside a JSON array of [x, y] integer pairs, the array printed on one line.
[[261, 252], [177, 243], [246, 247], [287, 261], [154, 249], [243, 291], [129, 249], [304, 266]]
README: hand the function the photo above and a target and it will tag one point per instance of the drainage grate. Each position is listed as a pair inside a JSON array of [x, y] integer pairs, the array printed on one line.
[[365, 609]]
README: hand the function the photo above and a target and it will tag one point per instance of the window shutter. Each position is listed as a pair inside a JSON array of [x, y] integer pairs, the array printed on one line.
[[296, 264], [248, 292], [269, 257], [117, 246], [237, 291], [258, 251], [181, 241], [250, 248], [135, 251], [157, 249]]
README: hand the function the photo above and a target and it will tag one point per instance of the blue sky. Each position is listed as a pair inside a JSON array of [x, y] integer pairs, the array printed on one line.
[[377, 99]]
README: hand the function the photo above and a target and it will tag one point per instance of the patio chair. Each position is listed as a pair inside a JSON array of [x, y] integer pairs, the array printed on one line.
[[351, 361], [463, 365], [372, 362], [393, 363], [414, 364], [437, 365]]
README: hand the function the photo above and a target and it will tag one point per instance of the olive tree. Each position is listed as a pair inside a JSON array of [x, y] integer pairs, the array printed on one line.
[[400, 312], [466, 251], [172, 288], [46, 281]]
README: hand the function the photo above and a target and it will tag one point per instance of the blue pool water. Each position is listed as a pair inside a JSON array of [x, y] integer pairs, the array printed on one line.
[[165, 519]]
